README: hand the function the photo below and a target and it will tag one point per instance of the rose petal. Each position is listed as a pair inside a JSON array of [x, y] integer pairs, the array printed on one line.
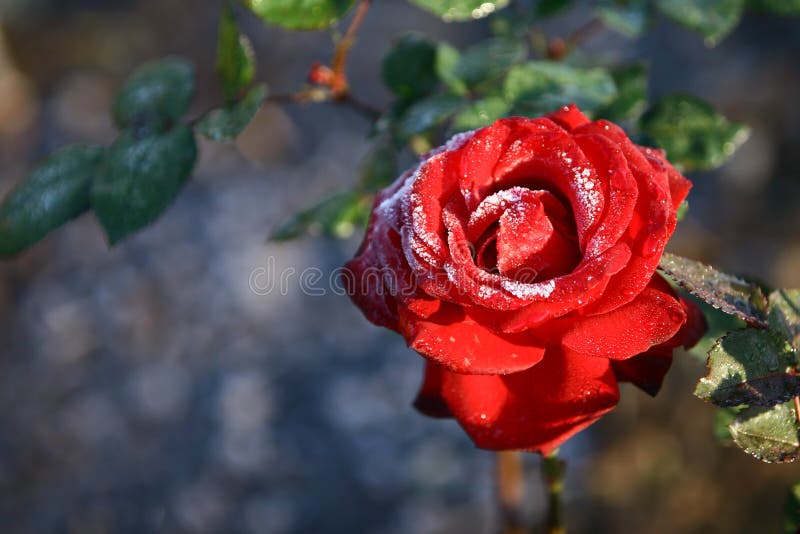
[[650, 227], [569, 117], [453, 339], [646, 371], [621, 191], [553, 161], [537, 409], [429, 398], [652, 318]]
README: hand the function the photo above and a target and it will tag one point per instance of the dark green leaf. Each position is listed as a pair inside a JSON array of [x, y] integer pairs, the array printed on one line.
[[782, 7], [300, 14], [428, 113], [631, 96], [461, 10], [447, 59], [225, 124], [155, 96], [409, 69], [548, 8], [140, 178], [722, 291], [720, 426], [791, 511], [784, 315], [694, 135], [336, 216], [379, 168], [538, 87], [236, 62], [489, 59], [751, 367], [713, 19], [52, 194], [628, 17], [480, 113], [768, 433]]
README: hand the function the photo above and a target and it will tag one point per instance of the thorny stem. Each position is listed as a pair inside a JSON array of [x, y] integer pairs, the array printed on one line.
[[553, 470], [510, 490], [339, 85]]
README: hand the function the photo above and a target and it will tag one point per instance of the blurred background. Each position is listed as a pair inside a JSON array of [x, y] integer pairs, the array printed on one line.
[[149, 389]]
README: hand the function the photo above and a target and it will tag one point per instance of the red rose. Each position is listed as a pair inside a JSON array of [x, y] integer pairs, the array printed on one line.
[[519, 259]]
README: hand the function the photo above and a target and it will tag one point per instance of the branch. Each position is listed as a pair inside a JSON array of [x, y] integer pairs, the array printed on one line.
[[339, 85]]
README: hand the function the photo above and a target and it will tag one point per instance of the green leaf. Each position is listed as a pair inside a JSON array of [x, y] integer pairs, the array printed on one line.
[[548, 8], [714, 19], [425, 114], [225, 124], [722, 291], [784, 315], [768, 433], [538, 87], [236, 61], [447, 59], [140, 178], [694, 135], [55, 192], [409, 69], [461, 10], [480, 113], [489, 59], [379, 168], [721, 423], [791, 511], [628, 17], [336, 216], [683, 209], [631, 99], [155, 96], [751, 367], [300, 14], [781, 7]]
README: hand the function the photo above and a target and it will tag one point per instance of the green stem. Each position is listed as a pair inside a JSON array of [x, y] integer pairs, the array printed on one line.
[[553, 470]]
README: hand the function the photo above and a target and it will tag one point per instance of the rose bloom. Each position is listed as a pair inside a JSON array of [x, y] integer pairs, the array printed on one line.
[[519, 260]]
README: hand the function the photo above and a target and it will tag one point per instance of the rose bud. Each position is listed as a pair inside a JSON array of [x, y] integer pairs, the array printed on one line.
[[519, 259]]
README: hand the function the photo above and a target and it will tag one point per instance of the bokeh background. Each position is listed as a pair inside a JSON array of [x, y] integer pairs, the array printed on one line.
[[149, 389]]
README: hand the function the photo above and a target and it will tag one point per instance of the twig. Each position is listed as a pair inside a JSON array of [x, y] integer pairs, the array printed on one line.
[[339, 85], [558, 48], [510, 490], [585, 32]]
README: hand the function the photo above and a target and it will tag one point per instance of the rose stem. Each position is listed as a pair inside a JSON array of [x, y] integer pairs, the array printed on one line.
[[510, 489], [553, 470]]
